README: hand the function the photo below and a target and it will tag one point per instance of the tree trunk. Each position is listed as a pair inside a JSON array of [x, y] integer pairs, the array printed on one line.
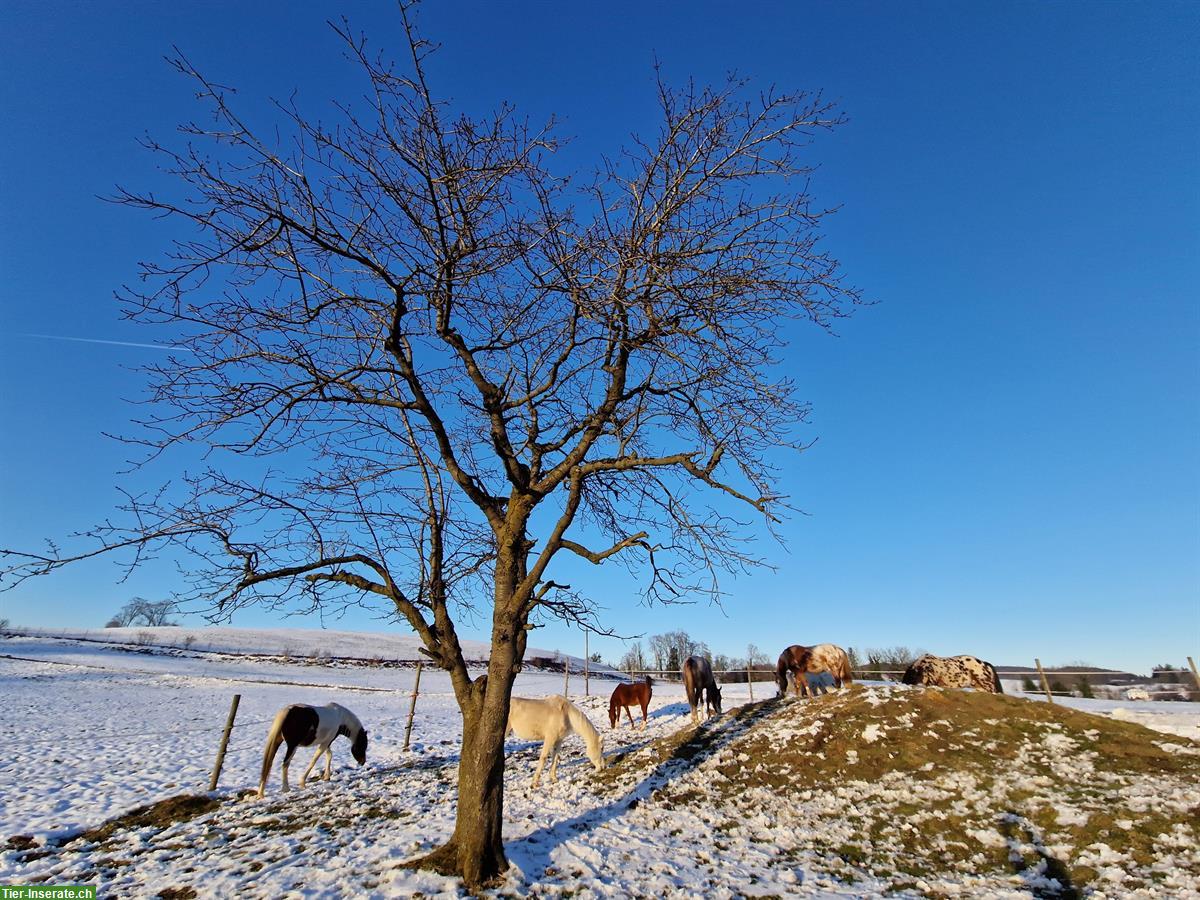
[[476, 850]]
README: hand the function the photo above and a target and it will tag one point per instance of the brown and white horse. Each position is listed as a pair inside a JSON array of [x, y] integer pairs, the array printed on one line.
[[625, 696], [955, 672], [302, 726], [802, 661], [698, 678]]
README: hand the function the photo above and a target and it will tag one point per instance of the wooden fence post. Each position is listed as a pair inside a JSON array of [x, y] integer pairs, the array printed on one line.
[[566, 676], [1045, 683], [587, 666], [1195, 674], [216, 775], [750, 683], [412, 706]]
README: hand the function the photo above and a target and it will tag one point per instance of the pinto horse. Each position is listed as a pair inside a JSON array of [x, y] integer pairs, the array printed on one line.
[[303, 726], [698, 678], [550, 720], [625, 696], [801, 661]]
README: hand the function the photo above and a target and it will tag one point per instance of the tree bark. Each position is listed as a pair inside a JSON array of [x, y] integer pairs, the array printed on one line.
[[475, 852]]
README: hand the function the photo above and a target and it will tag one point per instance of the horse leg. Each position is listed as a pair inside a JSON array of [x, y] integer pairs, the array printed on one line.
[[645, 703], [629, 715], [328, 762], [537, 775], [287, 761], [304, 777], [554, 760]]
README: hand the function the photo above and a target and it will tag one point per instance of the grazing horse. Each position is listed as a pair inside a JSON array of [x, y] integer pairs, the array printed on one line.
[[954, 671], [625, 696], [697, 678], [303, 726], [550, 720], [801, 661]]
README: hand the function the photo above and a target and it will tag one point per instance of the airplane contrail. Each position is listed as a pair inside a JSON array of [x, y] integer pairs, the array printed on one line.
[[63, 337]]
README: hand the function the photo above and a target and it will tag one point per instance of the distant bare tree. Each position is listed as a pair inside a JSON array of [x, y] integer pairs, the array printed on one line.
[[442, 337], [890, 659], [660, 649], [140, 611], [673, 647], [755, 657], [634, 659]]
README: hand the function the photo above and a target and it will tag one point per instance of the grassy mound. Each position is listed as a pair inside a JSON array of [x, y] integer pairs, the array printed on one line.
[[941, 792]]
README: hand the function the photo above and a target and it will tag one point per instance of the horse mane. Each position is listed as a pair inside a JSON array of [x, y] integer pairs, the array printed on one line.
[[582, 726]]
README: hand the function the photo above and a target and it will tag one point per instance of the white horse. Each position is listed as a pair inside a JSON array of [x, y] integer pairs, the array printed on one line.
[[303, 726], [550, 720]]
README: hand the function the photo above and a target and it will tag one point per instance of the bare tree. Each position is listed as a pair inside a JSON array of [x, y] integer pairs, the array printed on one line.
[[451, 365], [633, 660], [755, 657], [139, 611], [660, 647]]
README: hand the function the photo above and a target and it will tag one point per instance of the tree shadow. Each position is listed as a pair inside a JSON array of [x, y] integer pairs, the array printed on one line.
[[1047, 877], [671, 709], [532, 852]]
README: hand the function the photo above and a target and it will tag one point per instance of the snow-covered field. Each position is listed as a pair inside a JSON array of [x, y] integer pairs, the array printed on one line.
[[93, 729]]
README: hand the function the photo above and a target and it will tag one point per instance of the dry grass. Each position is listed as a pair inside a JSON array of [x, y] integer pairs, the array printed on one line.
[[957, 789]]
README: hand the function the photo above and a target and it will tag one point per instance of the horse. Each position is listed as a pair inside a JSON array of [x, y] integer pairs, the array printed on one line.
[[800, 661], [625, 696], [698, 677], [303, 726], [954, 671], [550, 720]]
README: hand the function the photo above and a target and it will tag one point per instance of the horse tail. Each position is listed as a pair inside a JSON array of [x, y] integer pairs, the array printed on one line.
[[274, 739], [583, 727], [996, 679], [690, 686], [648, 681]]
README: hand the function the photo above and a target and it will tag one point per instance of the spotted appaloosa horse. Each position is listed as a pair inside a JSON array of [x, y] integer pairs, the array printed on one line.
[[801, 661], [303, 726], [954, 671], [626, 695], [698, 677]]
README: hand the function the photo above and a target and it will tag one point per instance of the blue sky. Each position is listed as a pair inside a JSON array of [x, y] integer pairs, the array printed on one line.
[[1007, 450]]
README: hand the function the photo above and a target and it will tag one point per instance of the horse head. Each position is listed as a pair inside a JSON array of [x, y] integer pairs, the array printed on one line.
[[714, 696], [596, 755], [359, 748]]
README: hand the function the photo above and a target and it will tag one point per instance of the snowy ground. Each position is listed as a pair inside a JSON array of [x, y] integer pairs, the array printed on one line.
[[93, 730]]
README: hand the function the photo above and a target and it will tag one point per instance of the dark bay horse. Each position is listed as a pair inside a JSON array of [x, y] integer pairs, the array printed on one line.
[[801, 661], [626, 695], [697, 678]]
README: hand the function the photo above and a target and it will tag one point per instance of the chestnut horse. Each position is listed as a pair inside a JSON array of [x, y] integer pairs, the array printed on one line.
[[801, 661], [626, 695], [698, 678]]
